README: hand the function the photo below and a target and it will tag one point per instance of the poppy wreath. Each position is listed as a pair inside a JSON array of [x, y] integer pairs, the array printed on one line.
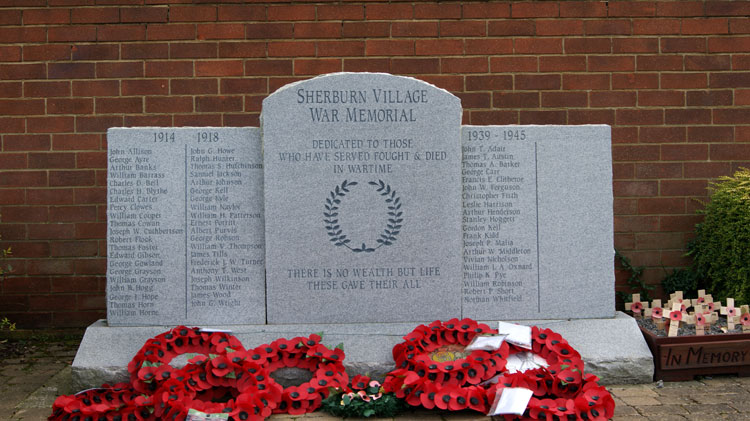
[[150, 366], [306, 353], [433, 371], [119, 402]]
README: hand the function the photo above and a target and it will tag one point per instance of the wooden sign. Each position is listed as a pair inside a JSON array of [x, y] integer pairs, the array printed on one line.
[[681, 356]]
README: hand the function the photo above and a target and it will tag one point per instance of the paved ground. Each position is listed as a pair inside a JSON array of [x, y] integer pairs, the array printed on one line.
[[33, 373]]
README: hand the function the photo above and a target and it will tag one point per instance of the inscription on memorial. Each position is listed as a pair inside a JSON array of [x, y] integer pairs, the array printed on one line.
[[537, 222], [184, 235], [362, 199]]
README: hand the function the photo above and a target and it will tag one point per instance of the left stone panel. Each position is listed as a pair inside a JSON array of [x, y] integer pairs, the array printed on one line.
[[185, 226]]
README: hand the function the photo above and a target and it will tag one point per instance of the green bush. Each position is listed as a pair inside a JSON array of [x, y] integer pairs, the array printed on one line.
[[721, 248], [685, 280]]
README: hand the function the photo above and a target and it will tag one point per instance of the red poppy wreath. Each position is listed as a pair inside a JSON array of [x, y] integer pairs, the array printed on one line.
[[309, 354], [119, 402]]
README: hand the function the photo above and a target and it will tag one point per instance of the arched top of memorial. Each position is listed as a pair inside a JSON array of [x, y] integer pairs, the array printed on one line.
[[358, 87]]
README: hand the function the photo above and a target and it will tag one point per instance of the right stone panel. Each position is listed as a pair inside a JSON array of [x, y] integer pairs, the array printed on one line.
[[537, 222]]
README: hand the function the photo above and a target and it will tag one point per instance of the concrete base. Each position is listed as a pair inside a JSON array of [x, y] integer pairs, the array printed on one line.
[[613, 349]]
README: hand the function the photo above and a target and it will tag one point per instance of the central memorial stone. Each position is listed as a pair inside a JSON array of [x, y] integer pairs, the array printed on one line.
[[362, 200]]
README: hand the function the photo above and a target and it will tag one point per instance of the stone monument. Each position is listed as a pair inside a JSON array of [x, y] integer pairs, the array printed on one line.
[[184, 226], [363, 200]]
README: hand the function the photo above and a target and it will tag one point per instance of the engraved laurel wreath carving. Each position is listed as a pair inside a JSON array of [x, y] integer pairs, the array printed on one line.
[[394, 220]]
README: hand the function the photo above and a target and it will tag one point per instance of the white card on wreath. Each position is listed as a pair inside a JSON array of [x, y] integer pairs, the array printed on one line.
[[511, 400], [516, 334], [486, 343]]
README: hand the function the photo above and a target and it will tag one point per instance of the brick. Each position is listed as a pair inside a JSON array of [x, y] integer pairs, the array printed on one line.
[[13, 125], [26, 142], [49, 124], [10, 53], [626, 8], [70, 106], [658, 170], [145, 87], [451, 83], [493, 117], [92, 160], [241, 12], [687, 116], [97, 124], [169, 69], [515, 100], [45, 17], [10, 17], [269, 30], [706, 169], [242, 49], [463, 28], [170, 32], [194, 50], [438, 47], [739, 26], [414, 29], [513, 64], [150, 14], [538, 45], [659, 241], [218, 104], [587, 9], [90, 302], [730, 152], [683, 187], [611, 63], [121, 33], [416, 65], [268, 67], [511, 28], [21, 106], [46, 52], [635, 81], [125, 105], [564, 99], [537, 82], [635, 45], [683, 45], [656, 26], [49, 196], [316, 67], [730, 80], [728, 8], [74, 249], [742, 97], [96, 88], [95, 15], [147, 121], [13, 231], [464, 65], [390, 11], [589, 116], [141, 51], [72, 213], [684, 80], [543, 117], [50, 302], [708, 62], [291, 12], [95, 52], [586, 81], [291, 49], [689, 152], [194, 86], [11, 35], [169, 104], [46, 89], [10, 161], [559, 27], [317, 30], [661, 98], [705, 26], [635, 153], [219, 68], [221, 31], [91, 230], [437, 11], [662, 134], [198, 120], [24, 214], [489, 83], [71, 178], [244, 86], [22, 71], [192, 13], [681, 8], [534, 9], [78, 33], [341, 12], [654, 63], [741, 62], [366, 29], [340, 48], [607, 27], [367, 65], [475, 99], [51, 160], [488, 46], [71, 70], [37, 284], [636, 224]]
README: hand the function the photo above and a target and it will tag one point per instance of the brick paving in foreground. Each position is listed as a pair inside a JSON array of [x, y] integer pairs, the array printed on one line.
[[35, 374]]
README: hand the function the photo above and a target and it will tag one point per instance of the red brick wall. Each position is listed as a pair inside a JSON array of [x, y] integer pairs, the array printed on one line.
[[671, 77]]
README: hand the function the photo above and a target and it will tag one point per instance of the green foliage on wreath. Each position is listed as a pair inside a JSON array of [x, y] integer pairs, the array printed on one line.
[[721, 248], [341, 405]]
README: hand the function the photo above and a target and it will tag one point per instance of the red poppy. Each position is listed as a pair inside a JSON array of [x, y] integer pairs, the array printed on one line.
[[656, 313], [675, 315], [221, 366], [360, 382], [636, 307], [731, 311], [700, 320], [745, 319], [541, 408], [443, 397]]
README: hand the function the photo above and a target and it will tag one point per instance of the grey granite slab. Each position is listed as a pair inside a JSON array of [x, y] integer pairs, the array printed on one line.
[[185, 226], [537, 220], [613, 348], [363, 200]]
